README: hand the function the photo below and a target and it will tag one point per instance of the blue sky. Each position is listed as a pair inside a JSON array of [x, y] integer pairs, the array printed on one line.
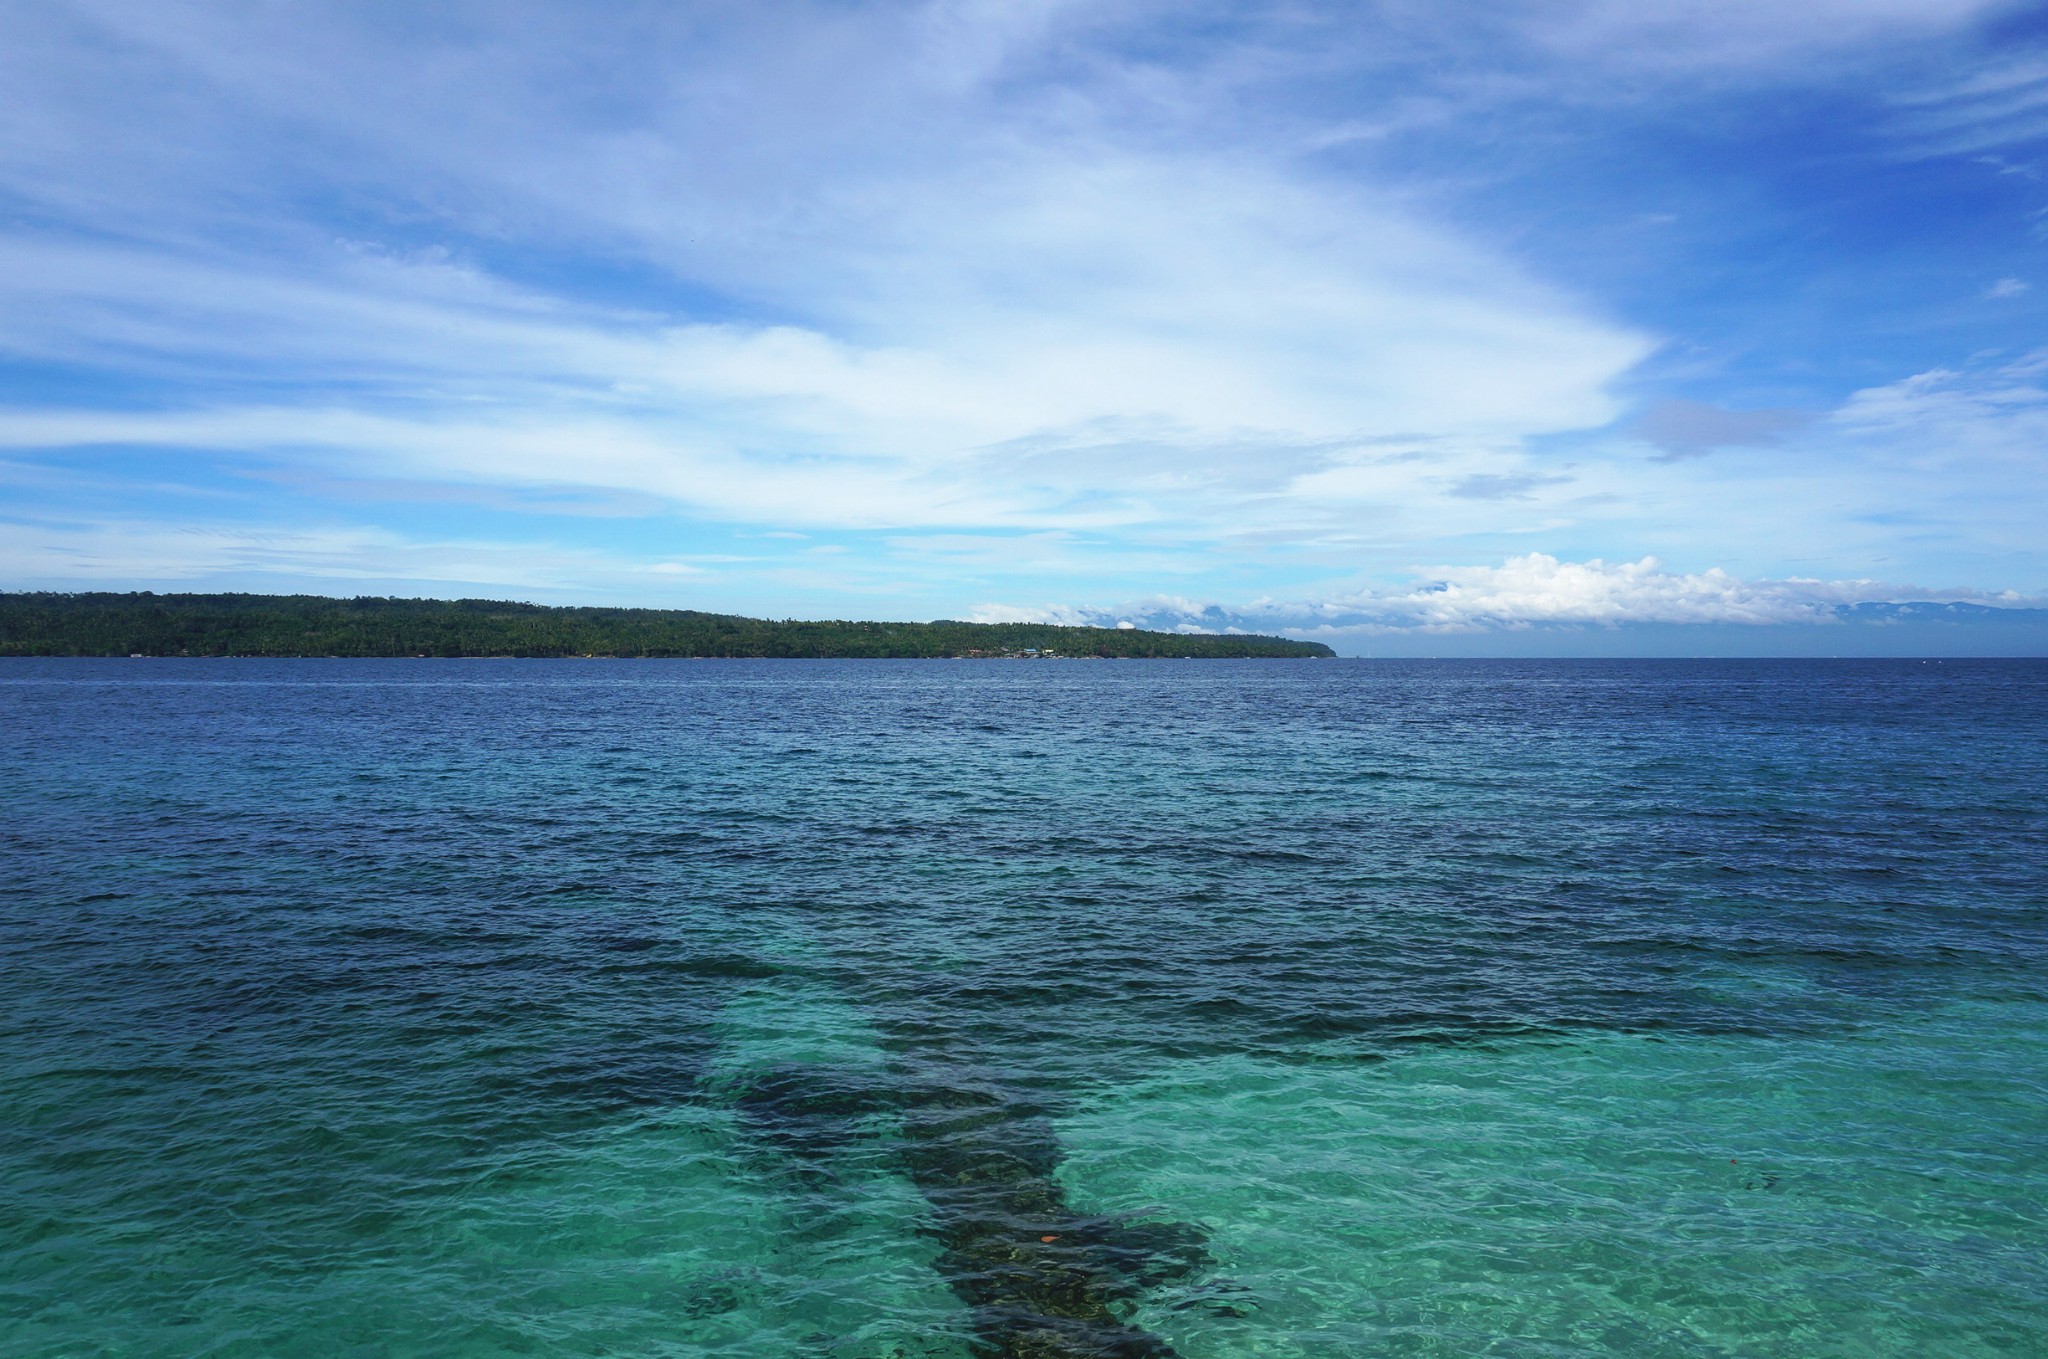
[[1413, 327]]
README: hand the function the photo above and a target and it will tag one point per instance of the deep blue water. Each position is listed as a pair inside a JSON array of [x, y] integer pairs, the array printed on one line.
[[472, 1008]]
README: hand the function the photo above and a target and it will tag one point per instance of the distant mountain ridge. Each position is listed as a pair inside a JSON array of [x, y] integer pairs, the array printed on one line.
[[149, 624]]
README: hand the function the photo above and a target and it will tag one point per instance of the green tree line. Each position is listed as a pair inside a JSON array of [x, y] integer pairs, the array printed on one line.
[[106, 624]]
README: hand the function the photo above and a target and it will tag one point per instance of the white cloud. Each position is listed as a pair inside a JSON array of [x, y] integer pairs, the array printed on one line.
[[2000, 103], [960, 268], [1204, 303], [1982, 418], [1127, 330], [1269, 350], [120, 553], [2006, 287], [952, 258], [1523, 592]]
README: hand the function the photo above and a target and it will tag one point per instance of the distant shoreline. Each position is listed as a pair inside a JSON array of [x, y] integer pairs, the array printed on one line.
[[587, 656], [317, 627]]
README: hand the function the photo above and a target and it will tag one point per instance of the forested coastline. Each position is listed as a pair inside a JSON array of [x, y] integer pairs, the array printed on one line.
[[147, 624]]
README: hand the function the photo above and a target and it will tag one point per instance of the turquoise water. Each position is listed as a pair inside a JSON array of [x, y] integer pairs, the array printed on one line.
[[1309, 1008]]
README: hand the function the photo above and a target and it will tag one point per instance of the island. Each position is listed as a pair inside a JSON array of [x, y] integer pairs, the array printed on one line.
[[38, 623]]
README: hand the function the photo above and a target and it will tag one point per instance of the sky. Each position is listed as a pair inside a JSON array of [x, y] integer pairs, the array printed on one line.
[[1516, 327]]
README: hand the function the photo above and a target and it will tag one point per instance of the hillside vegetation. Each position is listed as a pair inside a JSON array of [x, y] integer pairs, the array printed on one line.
[[100, 624]]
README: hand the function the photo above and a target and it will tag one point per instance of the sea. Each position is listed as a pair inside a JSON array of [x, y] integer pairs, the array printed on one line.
[[919, 1009]]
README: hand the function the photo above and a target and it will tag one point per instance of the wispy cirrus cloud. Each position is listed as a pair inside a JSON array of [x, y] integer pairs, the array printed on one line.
[[2002, 104], [958, 414], [95, 554]]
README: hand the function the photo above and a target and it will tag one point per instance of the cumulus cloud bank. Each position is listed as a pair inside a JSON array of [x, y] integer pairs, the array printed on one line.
[[1523, 592]]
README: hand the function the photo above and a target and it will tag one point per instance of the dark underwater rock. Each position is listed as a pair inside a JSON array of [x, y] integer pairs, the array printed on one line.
[[1040, 1279], [811, 1112]]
